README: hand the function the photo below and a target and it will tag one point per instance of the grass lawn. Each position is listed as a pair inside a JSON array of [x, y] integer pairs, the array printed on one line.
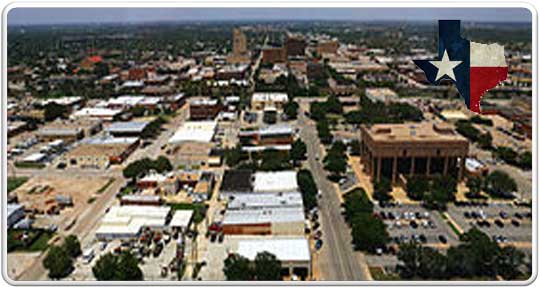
[[378, 274], [37, 240], [199, 210], [104, 187], [14, 182], [33, 165]]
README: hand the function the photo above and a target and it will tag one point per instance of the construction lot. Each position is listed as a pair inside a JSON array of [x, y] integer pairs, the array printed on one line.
[[39, 195]]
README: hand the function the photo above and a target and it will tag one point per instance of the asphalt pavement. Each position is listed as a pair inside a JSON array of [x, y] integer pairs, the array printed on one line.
[[338, 261]]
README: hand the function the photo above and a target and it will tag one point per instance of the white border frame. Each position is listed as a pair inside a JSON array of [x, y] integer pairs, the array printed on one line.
[[526, 4]]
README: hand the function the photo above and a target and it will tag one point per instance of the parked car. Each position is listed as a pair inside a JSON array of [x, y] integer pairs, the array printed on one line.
[[443, 239], [318, 244], [499, 223], [413, 224]]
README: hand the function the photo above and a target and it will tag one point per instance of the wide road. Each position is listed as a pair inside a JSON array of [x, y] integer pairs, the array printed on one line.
[[337, 261]]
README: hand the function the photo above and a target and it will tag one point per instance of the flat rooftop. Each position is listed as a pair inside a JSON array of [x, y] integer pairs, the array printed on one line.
[[124, 127], [265, 200], [279, 181], [264, 215], [285, 249], [416, 132]]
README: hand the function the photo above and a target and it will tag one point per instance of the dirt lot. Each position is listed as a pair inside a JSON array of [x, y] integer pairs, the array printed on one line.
[[39, 193]]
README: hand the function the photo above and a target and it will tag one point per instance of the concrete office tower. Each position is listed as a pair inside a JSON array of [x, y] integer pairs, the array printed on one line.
[[295, 45], [239, 42]]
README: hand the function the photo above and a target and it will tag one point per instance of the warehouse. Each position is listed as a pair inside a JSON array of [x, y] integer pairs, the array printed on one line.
[[100, 153], [264, 221], [202, 131], [15, 212], [66, 134], [127, 129], [127, 221], [181, 220], [293, 253], [104, 114], [279, 181], [265, 200]]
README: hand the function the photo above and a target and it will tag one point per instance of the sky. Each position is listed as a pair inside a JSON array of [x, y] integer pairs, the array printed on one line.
[[34, 16]]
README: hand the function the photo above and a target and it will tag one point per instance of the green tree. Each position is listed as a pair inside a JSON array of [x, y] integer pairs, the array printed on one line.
[[234, 156], [525, 160], [58, 263], [333, 105], [506, 154], [291, 110], [267, 267], [442, 191], [128, 268], [409, 256], [323, 131], [72, 246], [298, 150], [509, 262], [500, 184], [274, 160], [105, 267], [474, 184], [308, 188], [53, 111], [355, 202], [318, 111], [485, 141], [355, 147], [122, 267], [382, 190], [237, 268], [368, 232], [416, 187], [162, 164]]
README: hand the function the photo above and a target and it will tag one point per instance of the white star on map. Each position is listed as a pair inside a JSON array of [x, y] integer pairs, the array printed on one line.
[[445, 67]]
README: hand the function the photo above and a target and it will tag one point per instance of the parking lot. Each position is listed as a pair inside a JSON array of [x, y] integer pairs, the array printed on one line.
[[413, 222], [504, 222], [152, 260]]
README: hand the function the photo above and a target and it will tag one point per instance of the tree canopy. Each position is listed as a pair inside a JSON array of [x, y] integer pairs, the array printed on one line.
[[123, 267]]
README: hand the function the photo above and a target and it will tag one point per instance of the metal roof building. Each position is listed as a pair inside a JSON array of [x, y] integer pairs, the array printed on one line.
[[127, 127], [293, 252], [280, 181], [265, 200], [127, 221]]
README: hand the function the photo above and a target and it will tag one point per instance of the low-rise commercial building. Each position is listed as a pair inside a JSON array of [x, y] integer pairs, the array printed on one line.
[[265, 200], [278, 181], [100, 152], [104, 114], [259, 101], [125, 222], [204, 109], [200, 131], [127, 129], [264, 221]]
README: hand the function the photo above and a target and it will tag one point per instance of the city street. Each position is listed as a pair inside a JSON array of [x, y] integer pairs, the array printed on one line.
[[337, 260]]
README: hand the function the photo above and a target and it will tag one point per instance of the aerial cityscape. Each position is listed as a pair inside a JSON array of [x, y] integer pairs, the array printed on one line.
[[297, 144]]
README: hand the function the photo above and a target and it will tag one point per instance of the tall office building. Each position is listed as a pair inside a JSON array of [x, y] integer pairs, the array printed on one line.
[[240, 53], [295, 45], [239, 42]]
